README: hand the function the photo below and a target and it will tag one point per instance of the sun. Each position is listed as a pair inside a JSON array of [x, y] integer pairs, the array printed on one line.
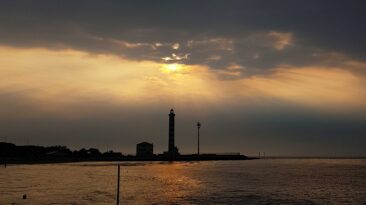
[[174, 67]]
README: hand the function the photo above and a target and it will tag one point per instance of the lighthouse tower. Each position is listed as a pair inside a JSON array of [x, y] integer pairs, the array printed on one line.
[[171, 148]]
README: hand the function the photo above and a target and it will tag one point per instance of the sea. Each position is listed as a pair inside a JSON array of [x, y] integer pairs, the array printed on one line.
[[263, 181]]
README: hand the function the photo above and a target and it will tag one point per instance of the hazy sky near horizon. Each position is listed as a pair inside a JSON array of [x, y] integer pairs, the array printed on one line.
[[281, 77]]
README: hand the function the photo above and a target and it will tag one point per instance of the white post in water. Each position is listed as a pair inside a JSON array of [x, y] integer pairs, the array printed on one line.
[[118, 179]]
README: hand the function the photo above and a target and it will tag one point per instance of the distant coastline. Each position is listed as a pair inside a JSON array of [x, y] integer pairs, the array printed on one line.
[[31, 154]]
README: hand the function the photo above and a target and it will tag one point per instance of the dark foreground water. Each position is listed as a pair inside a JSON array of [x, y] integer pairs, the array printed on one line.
[[271, 181]]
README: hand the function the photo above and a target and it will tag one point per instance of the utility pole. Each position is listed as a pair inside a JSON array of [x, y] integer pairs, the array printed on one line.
[[198, 137]]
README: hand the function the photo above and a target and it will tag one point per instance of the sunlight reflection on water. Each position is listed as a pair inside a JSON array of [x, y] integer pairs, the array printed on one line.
[[279, 181]]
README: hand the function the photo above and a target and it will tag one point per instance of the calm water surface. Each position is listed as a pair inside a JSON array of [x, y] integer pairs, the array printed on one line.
[[270, 181]]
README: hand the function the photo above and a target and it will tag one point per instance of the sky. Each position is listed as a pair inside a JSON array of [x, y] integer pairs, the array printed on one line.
[[283, 77]]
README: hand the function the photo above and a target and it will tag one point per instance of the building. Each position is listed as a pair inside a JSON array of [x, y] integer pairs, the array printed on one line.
[[144, 149]]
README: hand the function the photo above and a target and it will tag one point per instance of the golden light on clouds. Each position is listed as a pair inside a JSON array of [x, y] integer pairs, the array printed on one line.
[[322, 87], [55, 80], [281, 40]]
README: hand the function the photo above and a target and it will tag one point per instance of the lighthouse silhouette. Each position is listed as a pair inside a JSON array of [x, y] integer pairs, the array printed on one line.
[[172, 149]]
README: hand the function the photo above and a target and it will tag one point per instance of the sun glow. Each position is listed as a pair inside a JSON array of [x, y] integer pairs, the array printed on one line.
[[175, 67], [57, 81]]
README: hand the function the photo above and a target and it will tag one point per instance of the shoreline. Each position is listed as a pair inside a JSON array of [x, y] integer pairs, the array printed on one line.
[[180, 158]]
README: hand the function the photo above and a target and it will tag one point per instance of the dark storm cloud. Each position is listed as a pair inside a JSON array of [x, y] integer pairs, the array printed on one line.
[[214, 33]]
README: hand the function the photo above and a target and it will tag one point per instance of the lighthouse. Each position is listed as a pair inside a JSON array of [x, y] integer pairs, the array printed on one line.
[[171, 132], [172, 149]]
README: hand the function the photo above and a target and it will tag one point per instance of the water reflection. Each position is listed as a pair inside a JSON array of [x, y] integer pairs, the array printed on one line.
[[247, 182]]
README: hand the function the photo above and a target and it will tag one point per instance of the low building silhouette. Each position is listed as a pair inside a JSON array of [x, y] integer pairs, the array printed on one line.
[[144, 149]]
